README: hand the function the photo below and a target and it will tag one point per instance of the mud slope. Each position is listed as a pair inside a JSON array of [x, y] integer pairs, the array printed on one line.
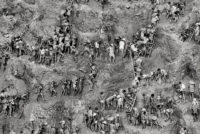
[[35, 18]]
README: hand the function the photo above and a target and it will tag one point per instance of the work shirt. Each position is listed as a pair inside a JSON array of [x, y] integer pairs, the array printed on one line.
[[111, 51], [182, 87], [121, 45], [42, 51], [133, 48], [96, 45]]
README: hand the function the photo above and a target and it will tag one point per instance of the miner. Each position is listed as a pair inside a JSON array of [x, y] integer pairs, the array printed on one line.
[[191, 88], [111, 51], [102, 100]]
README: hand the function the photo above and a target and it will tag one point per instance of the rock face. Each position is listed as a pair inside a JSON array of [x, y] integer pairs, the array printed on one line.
[[117, 19], [35, 18], [39, 18]]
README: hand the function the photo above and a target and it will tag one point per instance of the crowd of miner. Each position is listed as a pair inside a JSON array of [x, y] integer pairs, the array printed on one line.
[[63, 43], [155, 106]]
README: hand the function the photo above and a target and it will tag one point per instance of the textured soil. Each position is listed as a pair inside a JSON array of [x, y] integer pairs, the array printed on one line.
[[126, 18]]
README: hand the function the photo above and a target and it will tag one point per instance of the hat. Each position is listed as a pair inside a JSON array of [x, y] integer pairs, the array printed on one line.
[[149, 25], [154, 118], [124, 39], [143, 109], [104, 122]]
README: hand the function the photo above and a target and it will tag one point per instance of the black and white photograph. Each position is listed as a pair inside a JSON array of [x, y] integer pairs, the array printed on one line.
[[99, 66]]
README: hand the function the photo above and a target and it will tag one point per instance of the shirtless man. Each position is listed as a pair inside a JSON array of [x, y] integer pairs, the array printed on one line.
[[111, 53]]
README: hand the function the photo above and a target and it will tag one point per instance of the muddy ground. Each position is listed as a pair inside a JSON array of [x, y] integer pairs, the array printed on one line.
[[125, 18]]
